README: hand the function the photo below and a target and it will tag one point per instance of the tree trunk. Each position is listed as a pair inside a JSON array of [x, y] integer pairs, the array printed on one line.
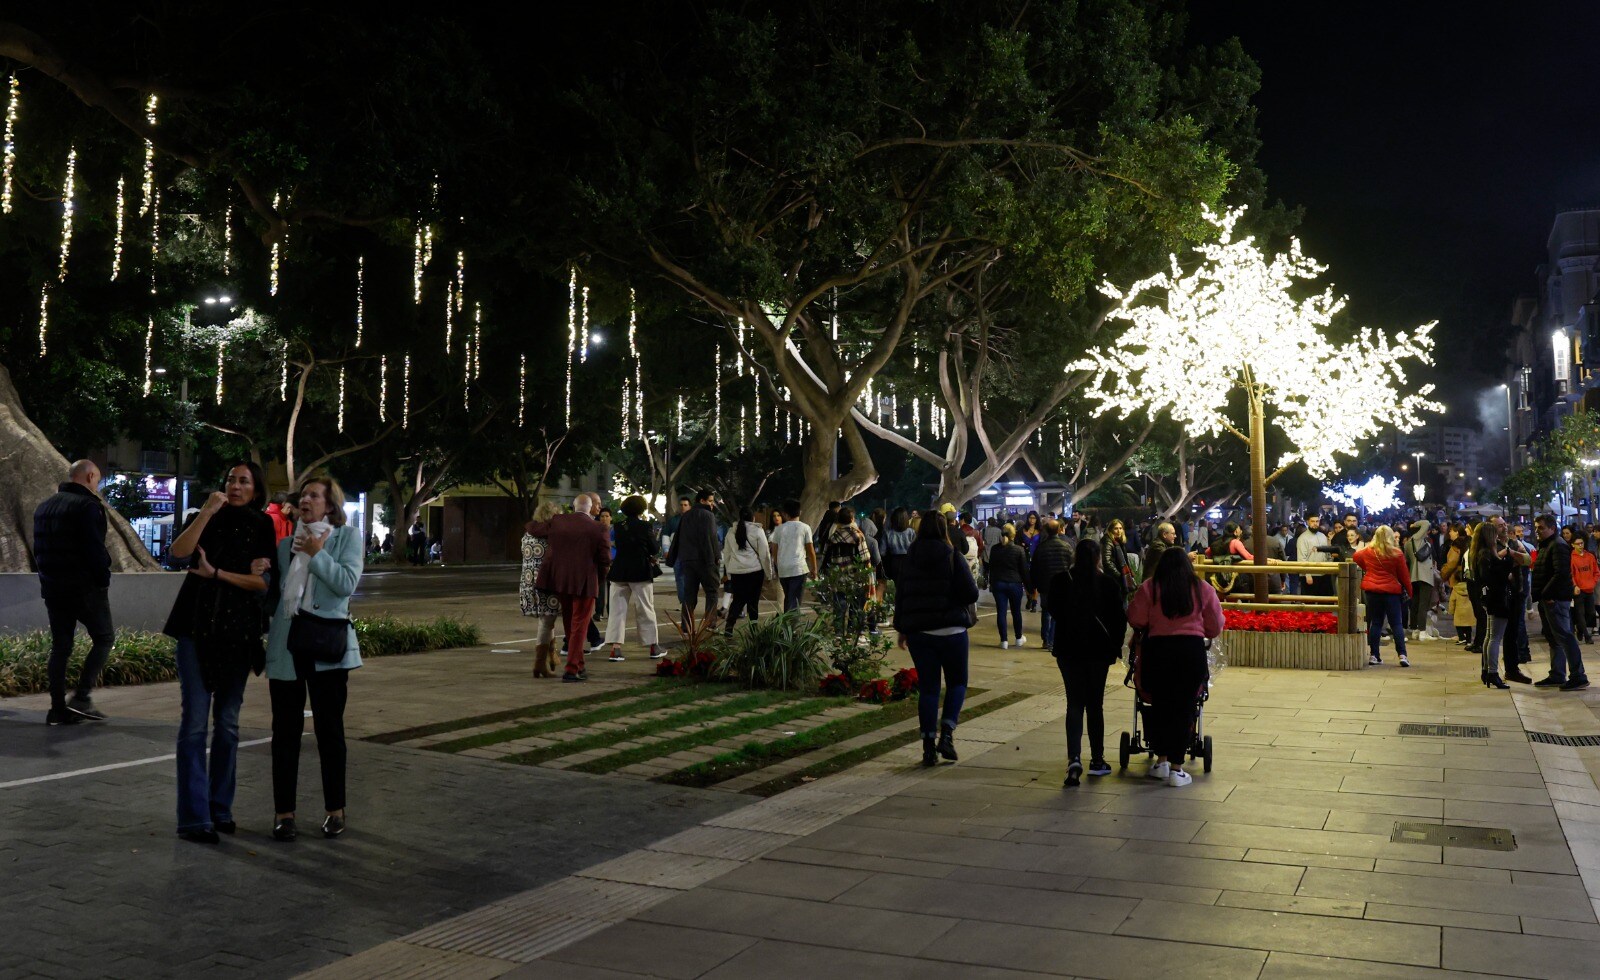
[[32, 469], [1258, 491]]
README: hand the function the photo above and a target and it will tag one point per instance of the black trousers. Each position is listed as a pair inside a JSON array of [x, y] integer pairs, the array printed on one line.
[[93, 609], [328, 690], [1085, 681], [1172, 669], [745, 588]]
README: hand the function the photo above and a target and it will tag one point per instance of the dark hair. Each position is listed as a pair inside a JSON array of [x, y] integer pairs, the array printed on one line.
[[899, 520], [966, 516], [1545, 519], [257, 478], [937, 530], [1230, 529], [1174, 582], [835, 504], [685, 500], [634, 506], [1086, 562], [792, 509], [741, 533], [845, 516], [879, 517], [706, 494]]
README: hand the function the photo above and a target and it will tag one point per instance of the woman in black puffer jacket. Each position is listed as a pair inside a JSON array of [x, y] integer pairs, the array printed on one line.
[[932, 595]]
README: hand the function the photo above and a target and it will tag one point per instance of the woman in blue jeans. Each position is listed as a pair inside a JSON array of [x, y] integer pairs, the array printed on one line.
[[933, 595], [218, 620], [1008, 578]]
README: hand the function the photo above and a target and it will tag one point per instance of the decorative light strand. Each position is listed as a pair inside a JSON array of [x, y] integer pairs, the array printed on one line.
[[477, 340], [155, 237], [44, 319], [633, 351], [277, 253], [13, 102], [341, 398], [718, 385], [227, 241], [572, 333], [405, 403], [627, 409], [755, 382], [916, 419], [461, 279], [522, 390], [680, 416], [741, 428], [149, 347], [222, 358], [449, 315], [283, 371], [361, 299], [68, 187], [383, 388], [147, 198], [584, 355], [116, 244], [416, 267]]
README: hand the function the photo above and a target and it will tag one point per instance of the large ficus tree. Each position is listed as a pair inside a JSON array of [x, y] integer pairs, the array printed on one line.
[[825, 173]]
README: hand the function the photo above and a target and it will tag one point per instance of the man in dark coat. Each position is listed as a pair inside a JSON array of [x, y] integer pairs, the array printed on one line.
[[579, 557], [1552, 589], [695, 555], [1053, 557], [69, 549]]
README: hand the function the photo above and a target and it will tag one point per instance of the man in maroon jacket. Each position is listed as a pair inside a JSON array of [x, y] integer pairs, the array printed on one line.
[[579, 557]]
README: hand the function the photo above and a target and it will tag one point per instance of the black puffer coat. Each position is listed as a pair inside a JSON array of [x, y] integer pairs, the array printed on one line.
[[69, 543], [934, 589]]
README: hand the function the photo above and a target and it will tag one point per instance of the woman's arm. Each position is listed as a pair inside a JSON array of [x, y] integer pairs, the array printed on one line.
[[186, 542], [1210, 613], [339, 567]]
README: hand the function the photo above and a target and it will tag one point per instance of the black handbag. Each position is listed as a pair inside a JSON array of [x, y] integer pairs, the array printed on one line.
[[323, 640]]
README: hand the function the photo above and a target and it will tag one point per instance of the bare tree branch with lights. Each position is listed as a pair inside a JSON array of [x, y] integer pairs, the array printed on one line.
[[1237, 311]]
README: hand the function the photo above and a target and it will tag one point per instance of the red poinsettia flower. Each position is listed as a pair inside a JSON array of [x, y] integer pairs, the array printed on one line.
[[1280, 622], [835, 685], [876, 691]]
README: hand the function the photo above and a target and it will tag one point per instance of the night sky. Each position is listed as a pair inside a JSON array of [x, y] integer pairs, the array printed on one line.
[[1430, 145]]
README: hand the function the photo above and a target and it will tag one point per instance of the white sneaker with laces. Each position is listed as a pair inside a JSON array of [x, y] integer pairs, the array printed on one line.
[[1004, 645], [1160, 770], [1179, 778], [1021, 640]]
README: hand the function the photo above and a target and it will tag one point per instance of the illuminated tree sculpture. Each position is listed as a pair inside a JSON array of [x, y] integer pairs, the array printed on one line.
[[1233, 324]]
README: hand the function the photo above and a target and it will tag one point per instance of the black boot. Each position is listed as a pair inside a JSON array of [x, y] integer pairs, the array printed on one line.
[[947, 744], [930, 756]]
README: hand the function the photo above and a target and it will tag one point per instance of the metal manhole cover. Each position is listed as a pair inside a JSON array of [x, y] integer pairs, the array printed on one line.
[[1450, 835], [1445, 731], [1563, 739]]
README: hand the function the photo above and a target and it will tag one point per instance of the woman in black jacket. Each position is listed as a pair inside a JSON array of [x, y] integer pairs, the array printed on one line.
[[932, 596], [1008, 580], [632, 580], [1090, 622]]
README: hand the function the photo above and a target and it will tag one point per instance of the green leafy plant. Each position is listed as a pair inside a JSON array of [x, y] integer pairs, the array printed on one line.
[[136, 658], [786, 651], [386, 635], [848, 614]]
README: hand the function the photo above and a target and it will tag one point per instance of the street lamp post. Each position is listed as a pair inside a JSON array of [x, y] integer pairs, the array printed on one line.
[[1511, 434]]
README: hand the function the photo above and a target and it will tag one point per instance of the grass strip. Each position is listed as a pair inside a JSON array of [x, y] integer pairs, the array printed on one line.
[[672, 697], [654, 726], [136, 658], [854, 757], [743, 726]]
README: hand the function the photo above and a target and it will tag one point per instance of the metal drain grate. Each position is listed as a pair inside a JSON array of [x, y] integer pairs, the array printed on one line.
[[1550, 739], [1446, 731], [1450, 835]]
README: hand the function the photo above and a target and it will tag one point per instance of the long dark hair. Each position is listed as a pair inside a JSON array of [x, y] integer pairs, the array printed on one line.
[[933, 528], [741, 534], [1174, 581], [899, 520], [259, 501], [1086, 563]]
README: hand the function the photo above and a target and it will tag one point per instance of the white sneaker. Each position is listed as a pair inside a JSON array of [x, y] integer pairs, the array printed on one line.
[[1179, 778], [1021, 640], [656, 653], [1004, 645], [1161, 770]]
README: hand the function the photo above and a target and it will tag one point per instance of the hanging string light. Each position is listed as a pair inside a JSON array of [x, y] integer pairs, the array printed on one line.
[[461, 279], [755, 382], [277, 252], [584, 356], [283, 371], [680, 416], [627, 409], [68, 187], [148, 189], [633, 352], [718, 382], [572, 333], [227, 237], [522, 390], [222, 358], [149, 346], [341, 398], [405, 403], [361, 301], [477, 340], [894, 409], [155, 237], [741, 428], [383, 388], [916, 420], [13, 102], [416, 267], [449, 314], [44, 319], [116, 244]]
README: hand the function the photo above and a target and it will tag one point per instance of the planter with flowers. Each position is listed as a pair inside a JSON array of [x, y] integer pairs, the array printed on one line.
[[1294, 639]]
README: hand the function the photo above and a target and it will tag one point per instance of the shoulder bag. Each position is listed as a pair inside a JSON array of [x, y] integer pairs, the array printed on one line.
[[971, 612], [323, 640]]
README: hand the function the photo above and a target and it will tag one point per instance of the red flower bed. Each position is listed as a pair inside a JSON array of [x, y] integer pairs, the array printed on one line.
[[836, 685], [878, 691], [669, 668], [1280, 622], [698, 664], [905, 682]]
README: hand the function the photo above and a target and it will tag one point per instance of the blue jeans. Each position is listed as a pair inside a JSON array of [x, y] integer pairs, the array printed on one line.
[[1047, 624], [934, 655], [1566, 659], [204, 798], [1491, 650], [794, 589], [1388, 606], [1008, 595]]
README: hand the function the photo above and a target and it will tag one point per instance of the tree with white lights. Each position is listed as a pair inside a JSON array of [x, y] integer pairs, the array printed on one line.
[[1236, 313]]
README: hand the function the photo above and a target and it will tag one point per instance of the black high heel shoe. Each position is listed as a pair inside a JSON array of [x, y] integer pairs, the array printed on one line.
[[1494, 681]]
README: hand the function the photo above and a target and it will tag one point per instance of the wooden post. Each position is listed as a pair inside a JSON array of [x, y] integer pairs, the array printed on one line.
[[1345, 588]]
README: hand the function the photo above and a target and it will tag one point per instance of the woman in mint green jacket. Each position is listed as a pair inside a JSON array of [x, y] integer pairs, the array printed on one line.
[[318, 568]]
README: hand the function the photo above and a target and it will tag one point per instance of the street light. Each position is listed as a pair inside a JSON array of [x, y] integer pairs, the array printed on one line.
[[1511, 435]]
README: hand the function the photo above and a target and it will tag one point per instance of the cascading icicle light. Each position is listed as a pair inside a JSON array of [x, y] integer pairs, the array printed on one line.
[[116, 243], [13, 103], [584, 355], [522, 390], [741, 428], [416, 267], [149, 346], [461, 279], [155, 237], [405, 403], [383, 388], [147, 198], [572, 333], [680, 416], [477, 340], [633, 352], [916, 419], [68, 187], [361, 300], [627, 409], [227, 241], [449, 315], [341, 398], [718, 385], [755, 380], [222, 359], [44, 319], [283, 371], [277, 252]]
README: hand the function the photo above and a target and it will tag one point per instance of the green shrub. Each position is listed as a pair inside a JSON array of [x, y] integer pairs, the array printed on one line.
[[786, 652], [847, 611], [136, 658], [385, 635]]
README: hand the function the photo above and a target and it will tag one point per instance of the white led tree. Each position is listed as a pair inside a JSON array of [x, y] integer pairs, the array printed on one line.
[[1239, 321]]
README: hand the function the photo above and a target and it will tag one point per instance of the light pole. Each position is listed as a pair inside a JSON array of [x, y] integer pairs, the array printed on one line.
[[1511, 434]]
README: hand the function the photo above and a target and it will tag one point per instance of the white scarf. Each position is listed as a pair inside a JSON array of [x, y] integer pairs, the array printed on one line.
[[298, 576]]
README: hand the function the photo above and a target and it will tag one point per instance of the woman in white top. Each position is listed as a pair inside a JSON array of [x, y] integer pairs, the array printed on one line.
[[746, 563]]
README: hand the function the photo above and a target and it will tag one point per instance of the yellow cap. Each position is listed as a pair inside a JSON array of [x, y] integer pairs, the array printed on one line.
[[947, 508]]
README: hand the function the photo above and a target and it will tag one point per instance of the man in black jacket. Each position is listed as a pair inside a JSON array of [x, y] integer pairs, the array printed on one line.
[[1552, 589], [69, 549], [696, 556], [1053, 556]]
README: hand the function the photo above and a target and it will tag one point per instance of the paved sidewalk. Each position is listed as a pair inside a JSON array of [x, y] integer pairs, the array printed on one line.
[[1284, 862]]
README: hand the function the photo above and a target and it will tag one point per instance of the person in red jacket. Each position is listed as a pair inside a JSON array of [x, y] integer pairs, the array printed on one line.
[[579, 557], [1585, 574], [1386, 583]]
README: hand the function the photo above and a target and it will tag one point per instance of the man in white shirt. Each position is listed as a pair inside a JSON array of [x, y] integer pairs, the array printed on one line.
[[1312, 545], [793, 555]]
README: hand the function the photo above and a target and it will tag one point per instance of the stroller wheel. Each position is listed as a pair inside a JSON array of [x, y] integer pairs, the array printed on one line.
[[1206, 753], [1125, 751]]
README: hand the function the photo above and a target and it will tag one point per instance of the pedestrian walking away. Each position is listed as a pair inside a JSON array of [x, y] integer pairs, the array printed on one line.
[[218, 620], [69, 550], [934, 596], [794, 555], [543, 606], [746, 564], [311, 650], [1088, 604], [1174, 614], [1008, 578], [694, 555], [632, 580], [576, 564]]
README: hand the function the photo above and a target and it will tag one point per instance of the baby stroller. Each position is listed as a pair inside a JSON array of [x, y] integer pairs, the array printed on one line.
[[1132, 742]]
